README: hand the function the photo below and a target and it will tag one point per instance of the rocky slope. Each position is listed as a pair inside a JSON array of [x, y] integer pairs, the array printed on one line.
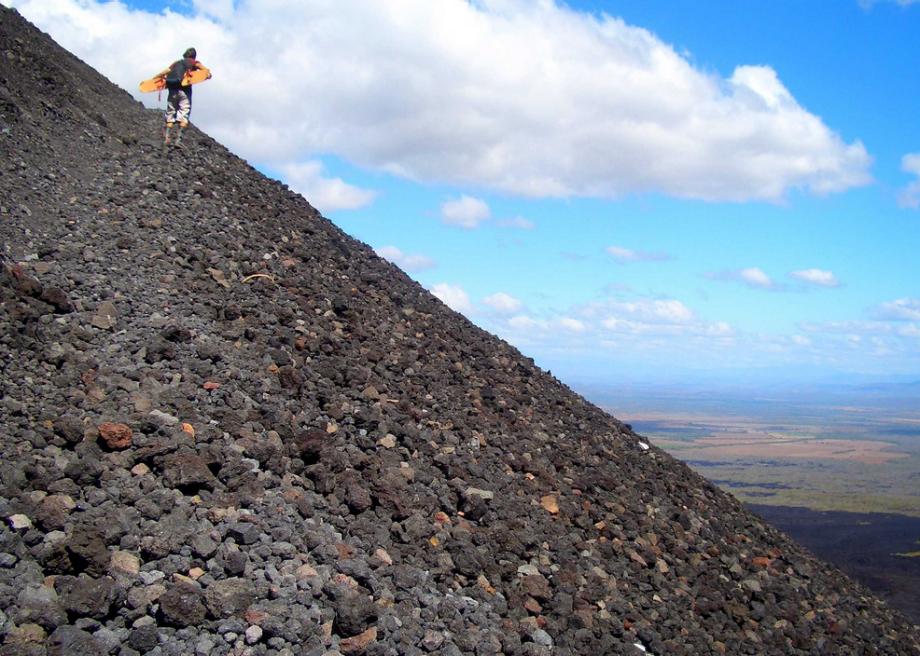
[[228, 428]]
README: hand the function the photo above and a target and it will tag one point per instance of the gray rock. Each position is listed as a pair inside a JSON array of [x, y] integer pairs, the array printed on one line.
[[39, 605], [85, 596], [229, 597], [71, 641], [182, 606]]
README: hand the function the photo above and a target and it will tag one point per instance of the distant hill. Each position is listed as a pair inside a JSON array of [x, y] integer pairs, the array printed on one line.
[[227, 427]]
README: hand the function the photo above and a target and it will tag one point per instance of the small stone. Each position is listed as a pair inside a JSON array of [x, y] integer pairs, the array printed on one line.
[[115, 436], [381, 558], [752, 585], [253, 616], [26, 633], [144, 638], [140, 469], [388, 441], [253, 634], [485, 495], [39, 605], [432, 640], [358, 643], [533, 606], [542, 638], [203, 545], [123, 562], [305, 572], [163, 418], [528, 570], [182, 606], [142, 403], [229, 597], [19, 522], [219, 277], [550, 504], [105, 317], [244, 533]]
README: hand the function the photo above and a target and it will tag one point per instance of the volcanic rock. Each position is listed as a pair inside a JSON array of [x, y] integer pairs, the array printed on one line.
[[320, 449]]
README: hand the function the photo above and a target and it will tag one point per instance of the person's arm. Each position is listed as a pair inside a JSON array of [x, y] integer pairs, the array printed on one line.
[[162, 73]]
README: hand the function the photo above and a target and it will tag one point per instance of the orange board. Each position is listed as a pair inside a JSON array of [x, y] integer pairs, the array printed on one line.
[[191, 77]]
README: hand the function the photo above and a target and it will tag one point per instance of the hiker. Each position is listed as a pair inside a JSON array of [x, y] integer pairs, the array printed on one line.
[[179, 100]]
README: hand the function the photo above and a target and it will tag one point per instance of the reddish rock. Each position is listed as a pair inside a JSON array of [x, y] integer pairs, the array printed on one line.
[[357, 644], [115, 436]]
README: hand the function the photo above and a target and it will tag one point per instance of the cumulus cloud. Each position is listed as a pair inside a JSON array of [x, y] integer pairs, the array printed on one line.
[[326, 194], [610, 324], [751, 276], [572, 325], [902, 309], [625, 255], [405, 261], [655, 311], [465, 212], [910, 195], [818, 277], [503, 303], [454, 297], [582, 104]]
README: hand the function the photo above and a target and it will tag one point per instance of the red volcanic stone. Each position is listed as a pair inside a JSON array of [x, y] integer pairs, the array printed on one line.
[[115, 436]]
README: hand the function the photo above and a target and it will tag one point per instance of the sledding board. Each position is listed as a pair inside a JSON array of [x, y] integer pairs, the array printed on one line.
[[191, 77]]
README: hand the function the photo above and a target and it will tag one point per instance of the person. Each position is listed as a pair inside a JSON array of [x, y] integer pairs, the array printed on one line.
[[179, 99]]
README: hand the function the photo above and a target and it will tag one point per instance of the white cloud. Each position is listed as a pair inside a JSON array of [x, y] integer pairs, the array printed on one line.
[[571, 325], [465, 212], [218, 9], [606, 326], [751, 276], [326, 194], [818, 277], [625, 255], [657, 311], [454, 297], [902, 309], [529, 98], [503, 303], [404, 261], [755, 277], [910, 195]]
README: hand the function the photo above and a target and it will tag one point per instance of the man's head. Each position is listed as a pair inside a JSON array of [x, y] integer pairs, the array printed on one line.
[[190, 54]]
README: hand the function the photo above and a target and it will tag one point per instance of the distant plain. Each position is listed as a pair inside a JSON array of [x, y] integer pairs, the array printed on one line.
[[843, 448]]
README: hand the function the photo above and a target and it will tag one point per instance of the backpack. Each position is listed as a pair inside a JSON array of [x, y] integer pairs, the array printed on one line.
[[176, 73]]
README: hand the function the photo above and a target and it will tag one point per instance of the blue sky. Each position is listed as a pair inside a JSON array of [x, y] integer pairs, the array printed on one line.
[[649, 190]]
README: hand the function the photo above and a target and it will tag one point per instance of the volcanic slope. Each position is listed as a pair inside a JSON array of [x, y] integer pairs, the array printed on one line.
[[227, 427]]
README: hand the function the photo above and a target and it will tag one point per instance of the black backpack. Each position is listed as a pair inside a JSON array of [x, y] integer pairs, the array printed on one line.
[[176, 73]]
